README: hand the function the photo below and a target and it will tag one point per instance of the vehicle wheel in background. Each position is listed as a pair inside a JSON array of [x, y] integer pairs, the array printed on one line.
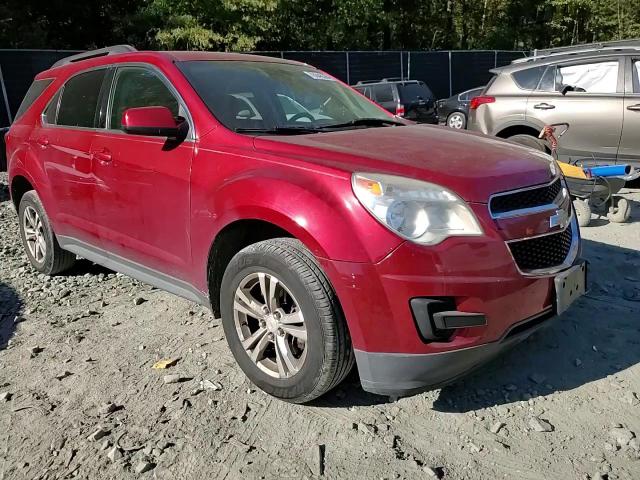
[[283, 322], [457, 120], [529, 141], [583, 212], [619, 210], [38, 238]]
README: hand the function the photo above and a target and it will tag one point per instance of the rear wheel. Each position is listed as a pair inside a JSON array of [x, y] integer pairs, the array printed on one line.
[[529, 141], [457, 120], [283, 322], [38, 238]]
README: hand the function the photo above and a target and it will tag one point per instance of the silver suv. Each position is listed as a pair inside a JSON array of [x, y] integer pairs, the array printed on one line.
[[595, 88]]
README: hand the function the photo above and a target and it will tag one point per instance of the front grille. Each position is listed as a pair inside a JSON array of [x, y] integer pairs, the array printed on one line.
[[530, 198], [542, 252]]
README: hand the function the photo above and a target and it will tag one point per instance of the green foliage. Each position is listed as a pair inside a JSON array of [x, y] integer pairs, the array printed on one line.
[[241, 25]]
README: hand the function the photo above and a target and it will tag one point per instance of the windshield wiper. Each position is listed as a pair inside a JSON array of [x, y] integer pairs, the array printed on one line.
[[278, 130], [366, 122]]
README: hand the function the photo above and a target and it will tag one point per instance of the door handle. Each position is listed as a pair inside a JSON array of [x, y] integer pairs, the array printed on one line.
[[634, 108], [43, 142], [103, 156], [544, 106]]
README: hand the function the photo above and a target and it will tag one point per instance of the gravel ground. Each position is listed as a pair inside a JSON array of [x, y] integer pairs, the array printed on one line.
[[79, 397]]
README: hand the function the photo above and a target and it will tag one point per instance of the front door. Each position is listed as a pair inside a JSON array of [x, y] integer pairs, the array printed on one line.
[[142, 182], [593, 106], [630, 143]]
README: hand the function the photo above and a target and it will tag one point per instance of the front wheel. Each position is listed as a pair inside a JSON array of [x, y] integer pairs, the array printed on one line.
[[457, 120], [283, 322]]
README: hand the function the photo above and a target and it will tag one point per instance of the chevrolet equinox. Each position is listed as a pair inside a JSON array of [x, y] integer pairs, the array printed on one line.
[[322, 229]]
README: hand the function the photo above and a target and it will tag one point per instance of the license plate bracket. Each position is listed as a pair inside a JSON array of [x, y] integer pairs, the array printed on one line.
[[570, 285]]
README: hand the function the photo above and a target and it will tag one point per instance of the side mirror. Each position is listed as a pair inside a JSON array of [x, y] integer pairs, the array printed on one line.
[[566, 89], [152, 121]]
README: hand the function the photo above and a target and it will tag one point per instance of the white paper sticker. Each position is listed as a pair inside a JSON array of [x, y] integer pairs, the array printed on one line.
[[320, 76]]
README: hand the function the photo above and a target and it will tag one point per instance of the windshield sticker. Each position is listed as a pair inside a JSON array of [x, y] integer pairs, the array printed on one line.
[[320, 76]]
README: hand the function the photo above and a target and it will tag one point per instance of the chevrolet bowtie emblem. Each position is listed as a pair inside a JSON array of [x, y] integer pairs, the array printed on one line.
[[559, 219]]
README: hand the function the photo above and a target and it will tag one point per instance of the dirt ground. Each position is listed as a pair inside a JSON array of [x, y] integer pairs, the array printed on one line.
[[79, 397]]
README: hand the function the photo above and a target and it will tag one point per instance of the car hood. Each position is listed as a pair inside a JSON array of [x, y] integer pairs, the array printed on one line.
[[472, 165]]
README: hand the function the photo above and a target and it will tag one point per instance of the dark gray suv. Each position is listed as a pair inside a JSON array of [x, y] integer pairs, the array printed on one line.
[[595, 88]]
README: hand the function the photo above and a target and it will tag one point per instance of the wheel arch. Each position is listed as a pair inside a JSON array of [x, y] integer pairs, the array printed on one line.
[[231, 239], [20, 185]]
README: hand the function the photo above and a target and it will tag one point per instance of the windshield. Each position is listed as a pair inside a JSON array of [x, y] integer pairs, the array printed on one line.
[[252, 96]]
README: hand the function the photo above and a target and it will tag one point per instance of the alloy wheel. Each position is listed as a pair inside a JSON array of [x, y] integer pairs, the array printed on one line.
[[34, 234], [270, 325], [456, 121]]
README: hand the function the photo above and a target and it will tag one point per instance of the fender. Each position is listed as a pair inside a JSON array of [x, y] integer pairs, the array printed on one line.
[[319, 210]]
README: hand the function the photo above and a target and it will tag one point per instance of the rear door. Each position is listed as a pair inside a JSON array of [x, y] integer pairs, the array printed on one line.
[[594, 109], [68, 125], [630, 143], [143, 182]]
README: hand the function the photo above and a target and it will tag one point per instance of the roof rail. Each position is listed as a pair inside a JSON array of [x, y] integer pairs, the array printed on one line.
[[588, 46], [101, 52], [633, 44]]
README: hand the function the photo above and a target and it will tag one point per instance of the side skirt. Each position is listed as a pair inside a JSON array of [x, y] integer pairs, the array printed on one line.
[[134, 270]]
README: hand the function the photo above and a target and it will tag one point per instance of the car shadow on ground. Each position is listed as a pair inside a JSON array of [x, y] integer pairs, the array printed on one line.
[[85, 267], [598, 337], [10, 307]]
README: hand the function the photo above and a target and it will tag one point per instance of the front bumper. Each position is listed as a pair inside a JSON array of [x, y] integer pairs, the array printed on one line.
[[477, 274], [405, 374]]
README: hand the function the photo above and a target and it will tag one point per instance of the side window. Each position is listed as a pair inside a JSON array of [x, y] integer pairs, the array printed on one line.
[[80, 99], [548, 81], [528, 79], [636, 76], [601, 77], [139, 87], [49, 114], [464, 96], [383, 93], [35, 90]]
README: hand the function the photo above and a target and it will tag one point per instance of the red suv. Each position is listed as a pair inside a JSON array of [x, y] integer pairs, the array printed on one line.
[[324, 230]]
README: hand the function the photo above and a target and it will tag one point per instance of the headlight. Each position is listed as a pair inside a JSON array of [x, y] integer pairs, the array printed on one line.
[[418, 211]]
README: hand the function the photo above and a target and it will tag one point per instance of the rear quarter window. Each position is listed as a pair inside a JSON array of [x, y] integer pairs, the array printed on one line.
[[35, 90], [528, 79]]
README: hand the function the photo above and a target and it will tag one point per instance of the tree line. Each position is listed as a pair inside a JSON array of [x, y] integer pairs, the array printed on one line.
[[245, 25]]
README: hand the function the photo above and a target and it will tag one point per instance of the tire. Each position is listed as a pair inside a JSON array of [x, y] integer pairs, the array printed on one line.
[[583, 212], [315, 365], [457, 121], [54, 259], [619, 211], [529, 141]]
